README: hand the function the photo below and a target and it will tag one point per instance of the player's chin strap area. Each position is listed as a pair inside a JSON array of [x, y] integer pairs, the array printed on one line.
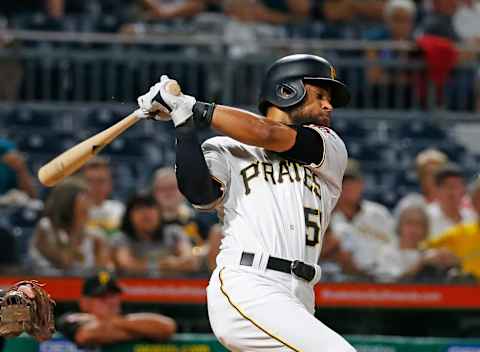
[[307, 272]]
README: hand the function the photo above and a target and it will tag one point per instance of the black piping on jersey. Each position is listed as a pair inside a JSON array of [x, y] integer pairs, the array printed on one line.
[[308, 147], [193, 176], [245, 316]]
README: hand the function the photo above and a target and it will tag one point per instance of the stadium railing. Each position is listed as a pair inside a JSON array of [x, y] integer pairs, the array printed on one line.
[[100, 67]]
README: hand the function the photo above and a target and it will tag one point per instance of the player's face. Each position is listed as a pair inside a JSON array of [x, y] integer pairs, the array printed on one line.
[[145, 219], [352, 190], [412, 229], [102, 307], [316, 108], [452, 191], [167, 194], [99, 181], [401, 24]]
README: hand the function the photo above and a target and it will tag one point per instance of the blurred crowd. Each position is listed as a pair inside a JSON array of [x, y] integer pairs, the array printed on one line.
[[435, 26], [400, 19], [432, 235], [429, 236]]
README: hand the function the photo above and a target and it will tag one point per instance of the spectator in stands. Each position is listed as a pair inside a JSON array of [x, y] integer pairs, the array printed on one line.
[[463, 240], [447, 210], [361, 225], [403, 260], [344, 19], [426, 164], [336, 262], [105, 214], [171, 9], [11, 69], [439, 21], [61, 243], [14, 173], [145, 247], [50, 7], [455, 87], [254, 19], [466, 23], [174, 209], [267, 11], [101, 321], [399, 17], [201, 228]]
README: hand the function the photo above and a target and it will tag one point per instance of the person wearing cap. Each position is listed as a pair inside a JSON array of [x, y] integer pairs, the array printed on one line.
[[463, 240], [101, 321], [426, 164], [447, 211], [361, 225]]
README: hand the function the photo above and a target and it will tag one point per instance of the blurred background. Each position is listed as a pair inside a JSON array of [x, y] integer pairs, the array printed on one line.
[[401, 258]]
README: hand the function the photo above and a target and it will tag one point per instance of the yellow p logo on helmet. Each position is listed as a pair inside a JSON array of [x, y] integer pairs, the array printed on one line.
[[103, 277]]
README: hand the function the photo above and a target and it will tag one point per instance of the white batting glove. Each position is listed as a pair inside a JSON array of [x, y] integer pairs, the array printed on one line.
[[149, 108], [181, 105]]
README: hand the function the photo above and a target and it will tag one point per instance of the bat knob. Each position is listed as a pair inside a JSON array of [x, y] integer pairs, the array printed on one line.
[[173, 88]]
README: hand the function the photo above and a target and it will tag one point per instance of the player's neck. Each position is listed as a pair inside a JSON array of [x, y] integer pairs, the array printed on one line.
[[277, 115]]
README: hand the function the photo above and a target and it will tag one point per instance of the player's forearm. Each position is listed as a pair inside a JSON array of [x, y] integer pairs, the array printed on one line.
[[180, 264], [249, 128], [99, 332], [147, 325]]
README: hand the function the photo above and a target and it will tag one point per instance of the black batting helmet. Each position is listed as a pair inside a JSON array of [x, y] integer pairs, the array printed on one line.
[[283, 83]]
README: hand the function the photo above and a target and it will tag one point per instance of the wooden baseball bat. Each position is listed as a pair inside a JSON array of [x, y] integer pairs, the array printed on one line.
[[74, 158]]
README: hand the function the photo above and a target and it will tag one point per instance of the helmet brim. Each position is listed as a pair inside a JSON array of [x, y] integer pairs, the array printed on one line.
[[339, 91]]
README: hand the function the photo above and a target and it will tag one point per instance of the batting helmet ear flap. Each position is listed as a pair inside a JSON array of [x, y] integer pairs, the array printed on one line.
[[285, 94]]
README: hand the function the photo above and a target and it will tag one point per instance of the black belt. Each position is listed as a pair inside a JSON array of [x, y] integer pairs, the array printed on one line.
[[298, 268]]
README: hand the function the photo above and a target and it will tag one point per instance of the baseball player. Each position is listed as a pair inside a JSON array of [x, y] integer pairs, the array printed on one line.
[[276, 180]]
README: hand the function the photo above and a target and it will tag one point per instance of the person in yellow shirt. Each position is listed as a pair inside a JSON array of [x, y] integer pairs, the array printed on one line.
[[463, 240]]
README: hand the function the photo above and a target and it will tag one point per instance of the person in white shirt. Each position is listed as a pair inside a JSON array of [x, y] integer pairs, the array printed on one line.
[[426, 163], [403, 259], [447, 211], [361, 225], [105, 214]]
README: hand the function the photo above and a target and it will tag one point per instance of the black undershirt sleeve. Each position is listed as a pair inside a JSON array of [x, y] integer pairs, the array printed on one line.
[[193, 176], [308, 147]]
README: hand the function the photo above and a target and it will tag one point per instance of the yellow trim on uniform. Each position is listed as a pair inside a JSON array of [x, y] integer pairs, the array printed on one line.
[[239, 310]]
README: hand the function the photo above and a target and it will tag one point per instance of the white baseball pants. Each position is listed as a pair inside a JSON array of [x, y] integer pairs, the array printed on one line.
[[265, 310]]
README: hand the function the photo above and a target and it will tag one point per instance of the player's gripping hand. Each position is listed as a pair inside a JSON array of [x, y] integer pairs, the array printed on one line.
[[181, 105], [149, 108]]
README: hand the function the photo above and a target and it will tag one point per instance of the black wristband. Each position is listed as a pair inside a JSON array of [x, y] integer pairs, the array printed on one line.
[[203, 114]]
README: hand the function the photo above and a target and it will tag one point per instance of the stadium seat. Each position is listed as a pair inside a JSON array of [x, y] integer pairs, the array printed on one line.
[[25, 117], [10, 247], [24, 217]]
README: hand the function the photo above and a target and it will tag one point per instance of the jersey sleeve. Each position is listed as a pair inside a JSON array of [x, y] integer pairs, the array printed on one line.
[[334, 159], [219, 168]]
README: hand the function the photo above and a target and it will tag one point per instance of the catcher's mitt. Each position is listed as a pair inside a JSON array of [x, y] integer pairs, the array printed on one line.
[[27, 307]]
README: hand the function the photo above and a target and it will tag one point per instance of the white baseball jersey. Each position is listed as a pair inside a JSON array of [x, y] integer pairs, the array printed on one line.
[[273, 205]]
